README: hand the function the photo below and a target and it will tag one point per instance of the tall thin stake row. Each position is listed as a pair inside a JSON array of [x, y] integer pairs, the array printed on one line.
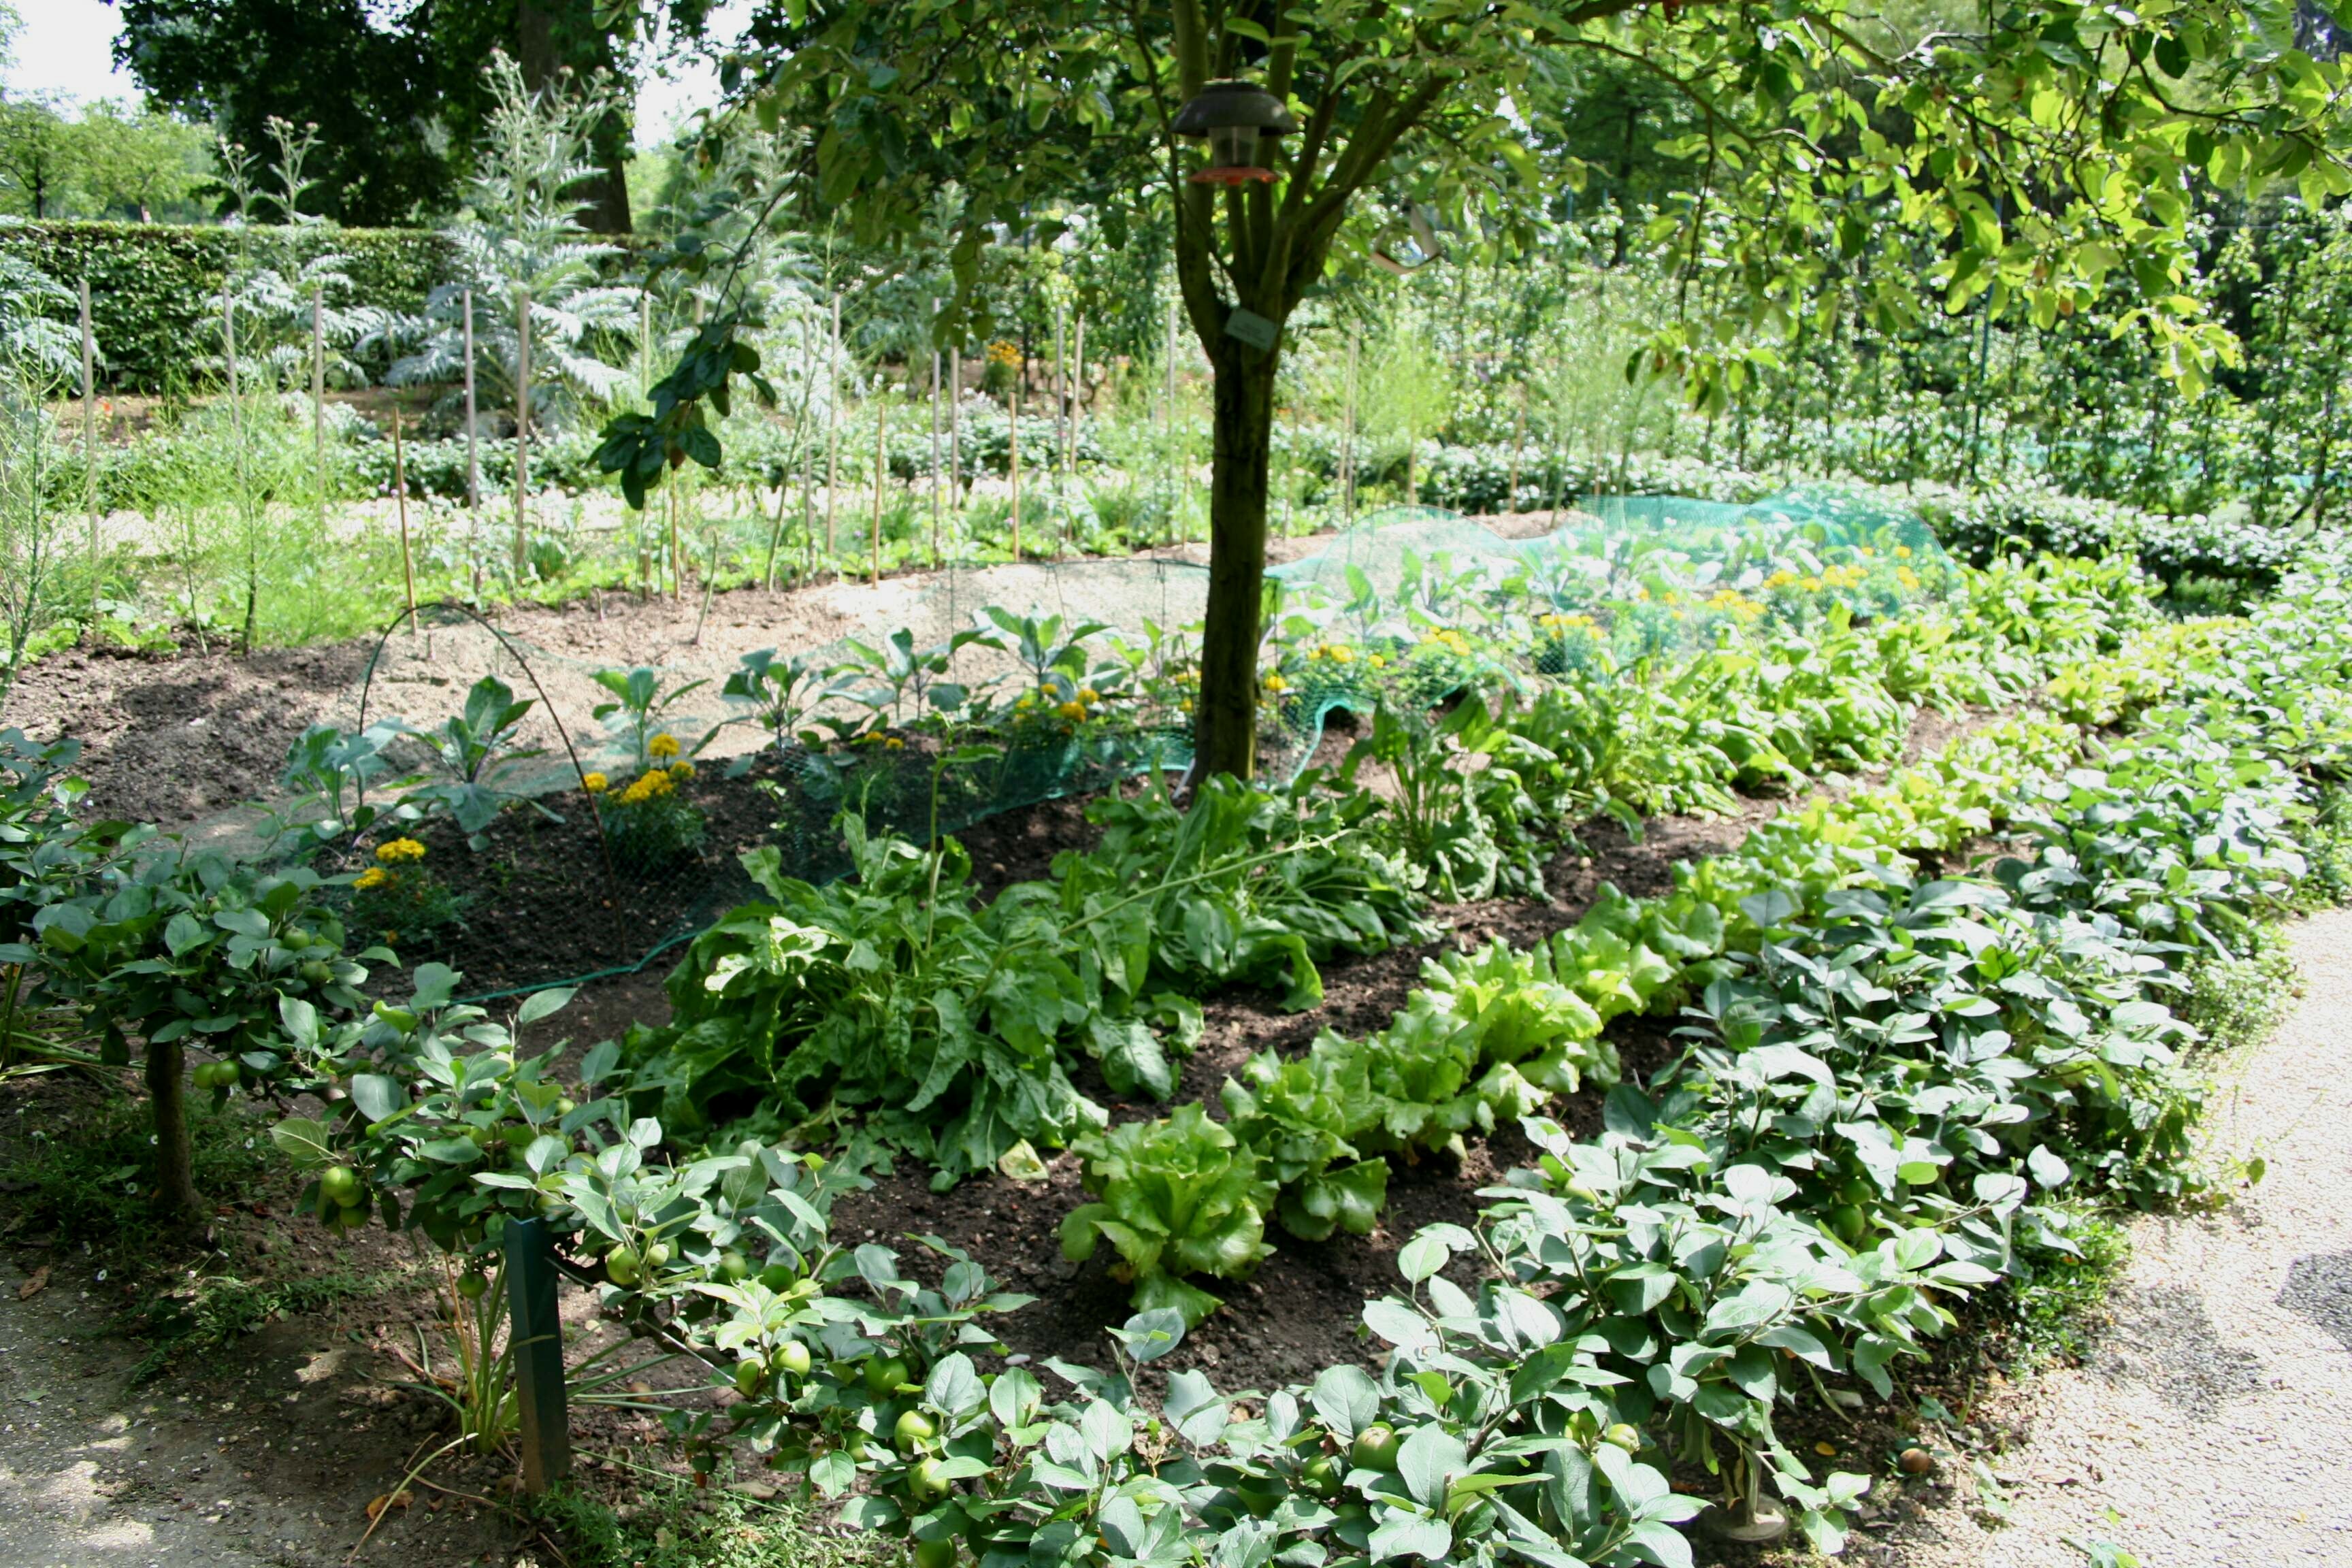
[[318, 402], [881, 462], [1077, 390], [832, 429], [90, 435], [935, 440], [1347, 440], [955, 431], [1062, 415], [522, 438], [400, 501], [1168, 407], [1519, 448], [1013, 430], [473, 457], [244, 484]]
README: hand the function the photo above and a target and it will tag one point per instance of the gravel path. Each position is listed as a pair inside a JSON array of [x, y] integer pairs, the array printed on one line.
[[2212, 1424]]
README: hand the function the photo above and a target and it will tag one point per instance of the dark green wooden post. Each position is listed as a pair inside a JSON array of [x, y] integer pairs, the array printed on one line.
[[536, 1334]]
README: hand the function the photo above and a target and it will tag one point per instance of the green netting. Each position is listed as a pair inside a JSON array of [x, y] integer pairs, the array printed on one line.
[[1090, 682]]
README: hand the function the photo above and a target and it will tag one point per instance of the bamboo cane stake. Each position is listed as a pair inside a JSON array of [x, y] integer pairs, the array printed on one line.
[[473, 457], [236, 438], [400, 502], [1019, 375], [832, 429], [522, 437], [1518, 447], [89, 437], [1167, 408], [1348, 442], [1062, 415], [881, 464], [319, 403], [935, 449]]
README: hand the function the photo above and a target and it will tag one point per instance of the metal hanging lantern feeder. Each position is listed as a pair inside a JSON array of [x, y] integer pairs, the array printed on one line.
[[1232, 116]]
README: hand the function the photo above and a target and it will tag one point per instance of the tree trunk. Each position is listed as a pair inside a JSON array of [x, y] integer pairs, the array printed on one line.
[[176, 1162], [552, 36], [1225, 726]]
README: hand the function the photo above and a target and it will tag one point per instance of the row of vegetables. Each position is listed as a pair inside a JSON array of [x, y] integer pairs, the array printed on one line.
[[1890, 1084], [1887, 1084]]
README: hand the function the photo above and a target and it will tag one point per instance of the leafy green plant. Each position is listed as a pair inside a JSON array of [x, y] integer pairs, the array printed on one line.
[[1179, 1197], [327, 773], [636, 713], [194, 950], [903, 676], [1299, 1116], [780, 694], [1463, 811], [399, 899], [1246, 884], [474, 752], [891, 995]]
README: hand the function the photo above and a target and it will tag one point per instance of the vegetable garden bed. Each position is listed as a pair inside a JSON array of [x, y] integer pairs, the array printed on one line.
[[1659, 1170]]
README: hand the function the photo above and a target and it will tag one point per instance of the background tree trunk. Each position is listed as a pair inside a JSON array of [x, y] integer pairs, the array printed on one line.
[[1224, 737], [552, 36], [176, 1197]]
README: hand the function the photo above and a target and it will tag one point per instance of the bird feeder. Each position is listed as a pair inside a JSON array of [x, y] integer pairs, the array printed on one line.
[[1232, 116]]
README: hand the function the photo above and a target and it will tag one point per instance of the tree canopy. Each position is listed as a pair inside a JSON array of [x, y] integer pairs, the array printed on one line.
[[2043, 148], [396, 91]]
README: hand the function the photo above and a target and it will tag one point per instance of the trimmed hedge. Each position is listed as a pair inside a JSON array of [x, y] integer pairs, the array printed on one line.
[[155, 288]]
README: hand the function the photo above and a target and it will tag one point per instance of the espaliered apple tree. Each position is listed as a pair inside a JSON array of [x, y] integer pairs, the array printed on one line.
[[2043, 147]]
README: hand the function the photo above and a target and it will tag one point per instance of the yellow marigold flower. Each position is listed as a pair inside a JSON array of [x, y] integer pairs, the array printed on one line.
[[1088, 695], [1273, 682], [1380, 661], [392, 851], [1073, 711], [681, 769], [663, 746], [1908, 578], [894, 744], [374, 876], [1185, 706], [1903, 552], [1810, 584], [595, 784], [1025, 704]]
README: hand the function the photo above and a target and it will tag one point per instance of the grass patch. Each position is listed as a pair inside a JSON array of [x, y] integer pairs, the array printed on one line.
[[2237, 1001], [94, 1179], [2055, 1302], [672, 1525]]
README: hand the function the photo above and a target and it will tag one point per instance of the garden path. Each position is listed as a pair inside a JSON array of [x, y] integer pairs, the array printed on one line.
[[2210, 1424]]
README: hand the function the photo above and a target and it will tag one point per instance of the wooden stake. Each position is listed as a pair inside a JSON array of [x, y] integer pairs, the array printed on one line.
[[881, 463], [89, 438], [955, 427], [935, 446], [1519, 447], [400, 501], [676, 562], [319, 401], [522, 438], [473, 458], [832, 430], [1169, 408], [1348, 442], [244, 485], [1062, 415], [1013, 454]]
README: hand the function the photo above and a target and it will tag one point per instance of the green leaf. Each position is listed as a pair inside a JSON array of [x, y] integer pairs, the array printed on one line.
[[305, 1141]]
